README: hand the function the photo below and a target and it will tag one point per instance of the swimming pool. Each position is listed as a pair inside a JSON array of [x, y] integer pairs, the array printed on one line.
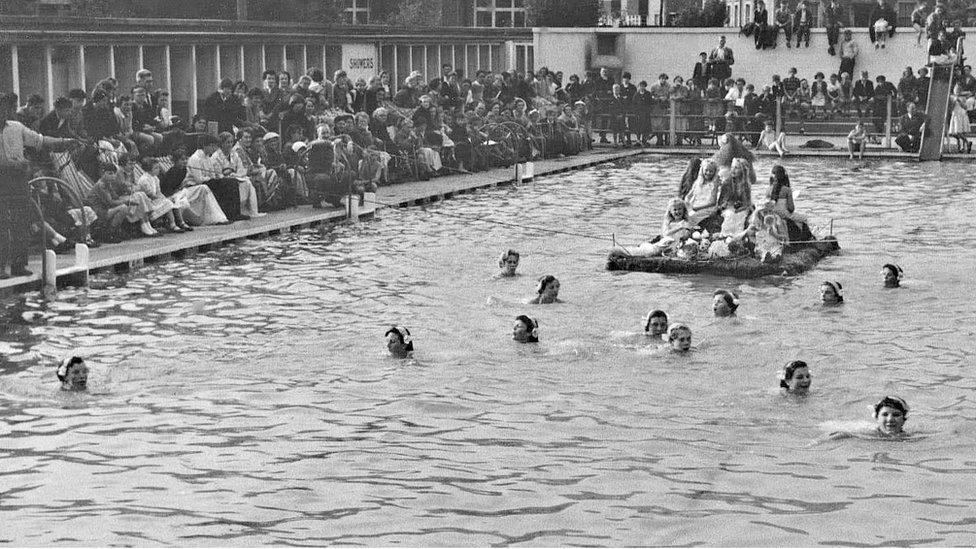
[[244, 396]]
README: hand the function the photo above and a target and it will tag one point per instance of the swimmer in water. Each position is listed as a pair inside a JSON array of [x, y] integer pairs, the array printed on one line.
[[724, 303], [679, 338], [548, 290], [830, 293], [399, 342], [892, 275], [508, 263], [656, 325], [73, 374], [890, 414], [526, 330], [796, 377]]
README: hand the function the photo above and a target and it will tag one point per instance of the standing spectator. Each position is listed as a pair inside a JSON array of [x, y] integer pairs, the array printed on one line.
[[700, 74], [953, 37], [224, 108], [918, 18], [720, 61], [273, 96], [832, 20], [802, 19], [642, 106], [15, 212], [144, 78], [760, 20], [883, 91], [922, 86], [30, 114], [907, 86], [784, 22], [628, 90], [881, 23], [848, 53]]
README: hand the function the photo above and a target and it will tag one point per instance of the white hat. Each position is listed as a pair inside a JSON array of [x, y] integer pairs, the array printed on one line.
[[298, 146]]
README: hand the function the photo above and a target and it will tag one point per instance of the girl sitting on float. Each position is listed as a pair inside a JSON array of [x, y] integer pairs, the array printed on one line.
[[702, 198], [781, 193], [675, 229]]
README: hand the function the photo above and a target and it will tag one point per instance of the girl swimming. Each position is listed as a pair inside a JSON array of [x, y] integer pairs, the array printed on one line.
[[679, 338], [399, 342], [547, 290], [830, 293], [892, 275], [890, 414], [656, 324], [796, 377], [724, 303], [73, 374], [508, 263], [525, 330]]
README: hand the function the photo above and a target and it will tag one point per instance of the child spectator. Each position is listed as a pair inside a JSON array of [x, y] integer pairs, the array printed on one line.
[[856, 140], [773, 141]]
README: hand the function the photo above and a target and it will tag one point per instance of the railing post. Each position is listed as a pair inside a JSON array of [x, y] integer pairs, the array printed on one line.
[[82, 259], [672, 118], [887, 142], [779, 115]]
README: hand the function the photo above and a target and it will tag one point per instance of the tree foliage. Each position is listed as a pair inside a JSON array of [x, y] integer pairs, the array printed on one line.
[[713, 14], [563, 13]]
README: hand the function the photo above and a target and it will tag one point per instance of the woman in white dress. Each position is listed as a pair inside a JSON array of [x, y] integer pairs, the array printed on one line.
[[160, 206], [195, 200], [959, 124]]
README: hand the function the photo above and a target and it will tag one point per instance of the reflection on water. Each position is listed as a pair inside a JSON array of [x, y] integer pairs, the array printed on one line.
[[243, 397]]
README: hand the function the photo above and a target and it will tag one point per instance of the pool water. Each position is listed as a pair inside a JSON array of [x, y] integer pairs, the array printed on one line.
[[244, 396]]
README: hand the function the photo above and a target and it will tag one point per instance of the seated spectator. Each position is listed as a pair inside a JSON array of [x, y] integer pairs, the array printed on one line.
[[773, 141], [144, 131], [325, 176], [114, 202], [228, 164], [857, 140], [160, 206], [296, 116], [940, 51], [57, 123], [863, 94], [195, 201], [913, 124]]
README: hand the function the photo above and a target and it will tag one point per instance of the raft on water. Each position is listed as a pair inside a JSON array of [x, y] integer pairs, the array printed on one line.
[[799, 259]]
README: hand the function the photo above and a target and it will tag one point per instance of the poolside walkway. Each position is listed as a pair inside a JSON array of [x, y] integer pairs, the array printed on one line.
[[134, 253]]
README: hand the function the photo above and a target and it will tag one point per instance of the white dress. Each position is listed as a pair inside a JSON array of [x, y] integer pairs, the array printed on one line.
[[959, 123], [159, 204], [198, 205]]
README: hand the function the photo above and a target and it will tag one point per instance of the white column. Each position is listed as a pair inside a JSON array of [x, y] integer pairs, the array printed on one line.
[[167, 62], [491, 62], [81, 68], [410, 58], [477, 57], [264, 61], [512, 54], [111, 60], [217, 64], [304, 58], [284, 59], [49, 72], [325, 69], [466, 62], [193, 80], [454, 63], [15, 68], [426, 76], [440, 59], [142, 60], [240, 61], [396, 73]]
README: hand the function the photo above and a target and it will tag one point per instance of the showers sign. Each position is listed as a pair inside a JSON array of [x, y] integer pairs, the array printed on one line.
[[359, 60]]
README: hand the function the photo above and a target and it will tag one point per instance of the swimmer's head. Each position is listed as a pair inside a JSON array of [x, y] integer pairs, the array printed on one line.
[[73, 374], [830, 293], [796, 377], [398, 341], [679, 337], [656, 323], [548, 289], [890, 413], [526, 330], [892, 275], [724, 303], [509, 262]]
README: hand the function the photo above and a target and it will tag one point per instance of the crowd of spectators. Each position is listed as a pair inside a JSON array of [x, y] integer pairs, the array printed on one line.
[[140, 170]]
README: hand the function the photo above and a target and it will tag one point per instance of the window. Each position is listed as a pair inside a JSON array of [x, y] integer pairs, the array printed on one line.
[[356, 12], [499, 13]]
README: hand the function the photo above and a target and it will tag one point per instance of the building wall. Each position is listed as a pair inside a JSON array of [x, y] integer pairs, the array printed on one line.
[[648, 52]]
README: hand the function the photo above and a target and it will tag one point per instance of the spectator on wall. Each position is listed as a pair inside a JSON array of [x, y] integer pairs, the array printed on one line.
[[802, 19], [783, 22], [880, 12], [918, 18], [832, 20], [760, 20]]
